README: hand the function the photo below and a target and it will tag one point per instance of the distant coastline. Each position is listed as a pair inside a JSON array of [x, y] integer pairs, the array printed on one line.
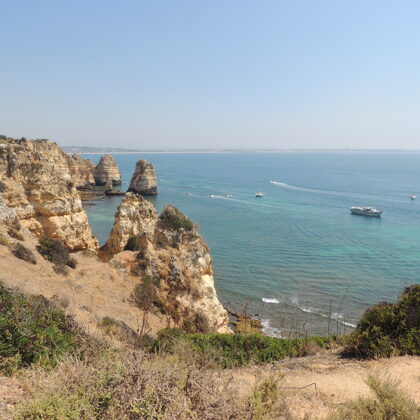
[[101, 150]]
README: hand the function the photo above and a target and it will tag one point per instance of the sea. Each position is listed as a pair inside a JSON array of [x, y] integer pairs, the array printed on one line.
[[295, 258]]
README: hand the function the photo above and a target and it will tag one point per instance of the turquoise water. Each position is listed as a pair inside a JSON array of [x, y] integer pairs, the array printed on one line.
[[298, 247]]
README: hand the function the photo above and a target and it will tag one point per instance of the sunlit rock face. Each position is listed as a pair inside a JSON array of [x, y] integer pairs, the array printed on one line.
[[107, 169], [37, 183], [82, 171], [170, 250], [143, 180]]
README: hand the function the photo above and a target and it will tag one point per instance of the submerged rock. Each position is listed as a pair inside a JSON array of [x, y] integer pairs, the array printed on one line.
[[107, 169], [143, 180], [38, 185], [172, 253]]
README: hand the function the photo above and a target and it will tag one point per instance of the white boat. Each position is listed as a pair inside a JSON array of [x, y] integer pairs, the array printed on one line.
[[412, 196], [259, 194], [366, 211], [212, 196]]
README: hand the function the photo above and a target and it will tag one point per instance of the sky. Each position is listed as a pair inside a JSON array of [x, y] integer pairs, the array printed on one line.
[[211, 74]]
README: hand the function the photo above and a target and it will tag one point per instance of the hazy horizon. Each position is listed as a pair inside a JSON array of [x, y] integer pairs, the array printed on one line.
[[190, 75]]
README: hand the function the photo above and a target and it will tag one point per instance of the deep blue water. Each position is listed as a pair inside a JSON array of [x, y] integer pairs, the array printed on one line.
[[298, 244]]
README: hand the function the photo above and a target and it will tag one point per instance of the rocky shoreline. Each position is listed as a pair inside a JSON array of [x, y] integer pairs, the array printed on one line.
[[43, 188]]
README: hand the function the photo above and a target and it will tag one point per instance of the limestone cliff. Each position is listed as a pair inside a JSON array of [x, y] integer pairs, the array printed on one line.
[[171, 252], [107, 169], [81, 171], [135, 216], [38, 185], [143, 180]]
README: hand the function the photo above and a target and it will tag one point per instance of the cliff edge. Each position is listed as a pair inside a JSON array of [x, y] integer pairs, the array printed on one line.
[[37, 183]]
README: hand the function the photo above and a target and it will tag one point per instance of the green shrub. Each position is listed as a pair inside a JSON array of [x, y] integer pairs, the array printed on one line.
[[390, 403], [57, 253], [23, 253], [33, 330], [3, 187], [388, 329], [14, 233], [172, 218], [232, 350], [4, 241], [132, 243]]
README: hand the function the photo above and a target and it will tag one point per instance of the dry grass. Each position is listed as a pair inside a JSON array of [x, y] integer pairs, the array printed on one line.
[[134, 385], [388, 403]]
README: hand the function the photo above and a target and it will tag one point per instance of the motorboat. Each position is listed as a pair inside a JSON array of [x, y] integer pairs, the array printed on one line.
[[212, 196], [412, 196], [259, 194], [366, 211]]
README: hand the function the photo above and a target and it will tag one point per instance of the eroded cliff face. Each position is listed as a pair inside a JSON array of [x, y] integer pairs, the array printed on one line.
[[107, 169], [170, 251], [38, 185], [135, 216], [143, 180], [81, 171]]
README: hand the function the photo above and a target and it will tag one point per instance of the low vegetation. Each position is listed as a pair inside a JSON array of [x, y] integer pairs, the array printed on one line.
[[173, 219], [388, 329], [33, 330], [176, 376], [233, 350], [389, 403], [133, 243], [56, 252], [20, 251], [14, 233]]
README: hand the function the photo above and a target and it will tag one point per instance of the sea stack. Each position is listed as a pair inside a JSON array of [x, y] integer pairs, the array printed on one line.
[[143, 180], [107, 169]]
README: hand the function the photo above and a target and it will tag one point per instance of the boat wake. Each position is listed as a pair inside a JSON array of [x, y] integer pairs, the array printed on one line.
[[326, 192]]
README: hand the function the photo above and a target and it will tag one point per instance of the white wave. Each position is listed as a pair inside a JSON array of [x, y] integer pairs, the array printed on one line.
[[269, 330], [339, 317], [270, 300]]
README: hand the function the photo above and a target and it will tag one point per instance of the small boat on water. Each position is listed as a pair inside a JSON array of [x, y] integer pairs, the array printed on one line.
[[366, 211], [259, 194], [412, 196], [212, 196]]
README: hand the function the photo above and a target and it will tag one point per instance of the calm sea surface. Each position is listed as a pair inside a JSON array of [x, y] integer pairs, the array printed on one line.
[[297, 254]]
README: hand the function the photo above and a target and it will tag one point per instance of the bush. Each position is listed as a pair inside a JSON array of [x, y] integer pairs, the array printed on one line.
[[388, 329], [57, 253], [232, 350], [14, 233], [390, 403], [123, 333], [33, 330], [3, 187], [23, 253], [132, 243], [172, 218]]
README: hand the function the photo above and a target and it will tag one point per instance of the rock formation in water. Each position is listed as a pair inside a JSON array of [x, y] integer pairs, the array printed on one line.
[[171, 252], [37, 183], [81, 171], [107, 169], [143, 180]]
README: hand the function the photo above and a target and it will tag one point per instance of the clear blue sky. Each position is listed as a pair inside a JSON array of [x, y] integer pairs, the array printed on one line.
[[212, 74]]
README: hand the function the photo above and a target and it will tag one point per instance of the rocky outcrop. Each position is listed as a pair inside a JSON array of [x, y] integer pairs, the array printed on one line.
[[8, 216], [135, 216], [81, 171], [143, 180], [107, 169], [37, 183], [171, 252]]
